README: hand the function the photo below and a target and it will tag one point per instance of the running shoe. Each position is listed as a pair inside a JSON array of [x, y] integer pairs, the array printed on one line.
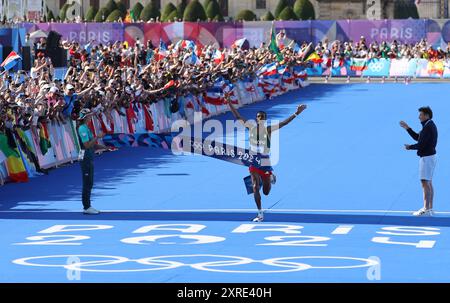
[[91, 211], [259, 217], [423, 213]]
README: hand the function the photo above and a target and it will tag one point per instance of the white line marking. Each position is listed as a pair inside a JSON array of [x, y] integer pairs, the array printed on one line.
[[365, 211], [342, 230]]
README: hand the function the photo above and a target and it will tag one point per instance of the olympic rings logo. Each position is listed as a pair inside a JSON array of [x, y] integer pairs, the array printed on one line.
[[376, 66], [216, 263]]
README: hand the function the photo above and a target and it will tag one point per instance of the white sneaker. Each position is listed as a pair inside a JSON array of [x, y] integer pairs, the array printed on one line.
[[259, 217], [91, 211], [423, 212], [273, 178]]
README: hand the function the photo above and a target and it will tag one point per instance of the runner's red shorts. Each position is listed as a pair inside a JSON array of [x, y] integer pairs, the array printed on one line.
[[263, 173]]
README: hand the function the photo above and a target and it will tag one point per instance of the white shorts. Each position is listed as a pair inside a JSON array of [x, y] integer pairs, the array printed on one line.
[[426, 167]]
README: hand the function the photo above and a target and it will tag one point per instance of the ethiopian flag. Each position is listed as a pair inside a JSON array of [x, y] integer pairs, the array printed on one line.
[[14, 163], [273, 44], [44, 139], [314, 57]]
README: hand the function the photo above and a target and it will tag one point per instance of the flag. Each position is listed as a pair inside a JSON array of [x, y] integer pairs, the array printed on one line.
[[218, 56], [11, 60], [435, 67], [268, 70], [314, 57], [238, 43], [193, 59], [14, 164], [44, 139], [169, 84], [132, 15], [162, 51], [273, 44], [358, 64]]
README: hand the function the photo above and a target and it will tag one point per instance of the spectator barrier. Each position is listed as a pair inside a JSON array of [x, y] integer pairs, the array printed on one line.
[[54, 144], [356, 67]]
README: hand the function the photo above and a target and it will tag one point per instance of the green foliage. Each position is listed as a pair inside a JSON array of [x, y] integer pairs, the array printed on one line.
[[268, 16], [213, 9], [405, 9], [181, 8], [173, 15], [150, 11], [304, 10], [90, 14], [167, 11], [122, 7], [101, 15], [194, 11], [114, 16], [50, 16], [282, 4], [287, 14], [111, 6], [245, 15]]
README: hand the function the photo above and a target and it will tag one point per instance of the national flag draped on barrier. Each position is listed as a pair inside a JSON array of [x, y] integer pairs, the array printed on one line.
[[358, 64], [14, 163], [44, 139]]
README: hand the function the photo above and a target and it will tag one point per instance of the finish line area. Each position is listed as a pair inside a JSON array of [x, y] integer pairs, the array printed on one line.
[[341, 210]]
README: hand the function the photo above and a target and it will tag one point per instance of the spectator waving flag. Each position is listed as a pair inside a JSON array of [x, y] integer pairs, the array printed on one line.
[[11, 60], [218, 56], [238, 43], [273, 44], [194, 59], [162, 51]]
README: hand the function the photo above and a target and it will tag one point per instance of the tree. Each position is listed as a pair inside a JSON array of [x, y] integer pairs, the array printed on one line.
[[114, 16], [150, 11], [219, 17], [181, 8], [405, 9], [50, 16], [304, 10], [213, 9], [63, 11], [194, 11], [287, 14], [90, 14], [172, 16], [245, 15], [206, 3], [168, 9], [136, 11], [122, 7], [268, 16], [101, 15], [282, 4], [110, 6]]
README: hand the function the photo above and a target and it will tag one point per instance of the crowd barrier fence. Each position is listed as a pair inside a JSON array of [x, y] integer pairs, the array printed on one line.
[[54, 144]]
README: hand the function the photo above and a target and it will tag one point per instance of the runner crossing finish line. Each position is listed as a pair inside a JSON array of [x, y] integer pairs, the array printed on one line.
[[257, 158]]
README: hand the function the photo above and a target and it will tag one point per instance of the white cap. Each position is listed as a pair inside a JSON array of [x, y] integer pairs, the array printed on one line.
[[69, 86], [53, 89], [46, 86]]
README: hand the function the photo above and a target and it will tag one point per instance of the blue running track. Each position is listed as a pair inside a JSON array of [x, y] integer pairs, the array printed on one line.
[[340, 211]]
